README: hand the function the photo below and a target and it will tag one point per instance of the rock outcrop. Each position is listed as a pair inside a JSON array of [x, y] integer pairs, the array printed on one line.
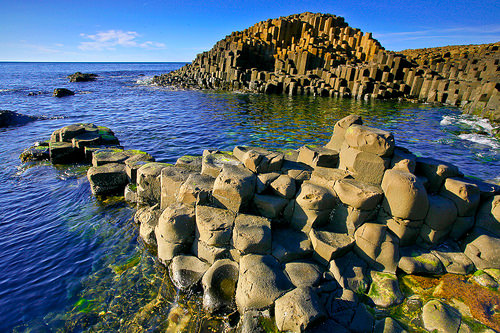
[[62, 92], [320, 54], [11, 118], [82, 77]]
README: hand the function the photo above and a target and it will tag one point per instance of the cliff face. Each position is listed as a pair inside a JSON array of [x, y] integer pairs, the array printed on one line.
[[320, 54]]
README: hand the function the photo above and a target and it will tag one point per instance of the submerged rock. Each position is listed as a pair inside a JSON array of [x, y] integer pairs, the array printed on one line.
[[82, 77], [62, 92], [11, 118]]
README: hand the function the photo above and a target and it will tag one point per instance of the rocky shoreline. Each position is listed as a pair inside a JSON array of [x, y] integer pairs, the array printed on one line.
[[319, 54], [318, 239]]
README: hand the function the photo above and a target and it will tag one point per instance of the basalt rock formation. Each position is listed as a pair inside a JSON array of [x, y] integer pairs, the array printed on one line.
[[82, 77], [320, 54], [11, 118]]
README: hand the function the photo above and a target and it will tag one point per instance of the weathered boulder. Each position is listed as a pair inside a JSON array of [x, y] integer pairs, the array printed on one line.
[[303, 219], [377, 246], [406, 230], [436, 172], [149, 183], [351, 272], [339, 130], [38, 152], [357, 194], [289, 245], [148, 217], [62, 92], [441, 215], [107, 179], [403, 159], [363, 166], [176, 224], [405, 195], [234, 187], [465, 195], [263, 181], [261, 281], [210, 253], [259, 160], [214, 226], [326, 177], [303, 273], [186, 271], [453, 259], [284, 186], [384, 290], [270, 206], [346, 219], [212, 162], [189, 162], [484, 279], [440, 316], [298, 309], [318, 157], [329, 245], [370, 140], [171, 180], [483, 249], [196, 190], [252, 234], [488, 216], [219, 286], [82, 77], [415, 260]]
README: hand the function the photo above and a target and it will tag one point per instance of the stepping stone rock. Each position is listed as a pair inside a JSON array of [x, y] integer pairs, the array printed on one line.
[[357, 194], [298, 309], [259, 160], [63, 153], [149, 183], [261, 281], [263, 181], [315, 197], [384, 290], [269, 206], [363, 166], [370, 140], [376, 245], [284, 186], [350, 271], [212, 163], [252, 234], [303, 273], [176, 224], [234, 187], [191, 163], [483, 249], [289, 245], [329, 245], [488, 216], [440, 316], [109, 155], [214, 225], [107, 179], [466, 196], [339, 130], [436, 172], [135, 162], [219, 286], [171, 180], [318, 157], [196, 190], [405, 195], [415, 260], [186, 271]]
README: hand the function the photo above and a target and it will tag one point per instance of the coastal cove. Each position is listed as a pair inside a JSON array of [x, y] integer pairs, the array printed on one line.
[[63, 250]]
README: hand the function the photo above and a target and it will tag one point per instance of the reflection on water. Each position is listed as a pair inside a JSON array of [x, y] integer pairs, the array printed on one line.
[[72, 262]]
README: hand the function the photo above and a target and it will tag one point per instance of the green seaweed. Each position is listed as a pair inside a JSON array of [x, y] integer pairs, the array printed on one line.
[[132, 262]]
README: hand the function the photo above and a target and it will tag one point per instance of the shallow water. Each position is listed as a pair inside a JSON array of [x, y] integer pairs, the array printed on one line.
[[62, 250]]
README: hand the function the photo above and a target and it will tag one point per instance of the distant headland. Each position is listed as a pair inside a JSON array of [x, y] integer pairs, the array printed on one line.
[[320, 54]]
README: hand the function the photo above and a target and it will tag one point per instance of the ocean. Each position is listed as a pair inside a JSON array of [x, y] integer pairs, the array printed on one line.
[[69, 261]]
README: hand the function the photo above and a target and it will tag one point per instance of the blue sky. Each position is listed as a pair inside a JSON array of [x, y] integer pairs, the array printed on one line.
[[88, 30]]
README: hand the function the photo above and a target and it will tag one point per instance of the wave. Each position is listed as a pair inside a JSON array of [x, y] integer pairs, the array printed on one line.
[[481, 139], [145, 80], [468, 121]]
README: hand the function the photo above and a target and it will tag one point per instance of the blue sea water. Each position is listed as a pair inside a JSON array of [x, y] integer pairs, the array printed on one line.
[[59, 245]]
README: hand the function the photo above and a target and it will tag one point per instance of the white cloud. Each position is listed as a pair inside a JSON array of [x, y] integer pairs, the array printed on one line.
[[109, 40]]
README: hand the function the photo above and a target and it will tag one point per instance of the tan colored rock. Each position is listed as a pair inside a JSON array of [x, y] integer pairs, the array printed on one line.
[[346, 219], [403, 159], [436, 172], [252, 234], [171, 180], [298, 309], [270, 206], [234, 187], [339, 130], [107, 179], [363, 166], [405, 196], [304, 219], [327, 177], [318, 157], [329, 245], [263, 181], [213, 162], [488, 216], [186, 271], [219, 286], [442, 213], [284, 186], [377, 246], [214, 226], [176, 224], [359, 195], [311, 196], [196, 190], [209, 253], [465, 195], [149, 183], [370, 140], [259, 160]]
